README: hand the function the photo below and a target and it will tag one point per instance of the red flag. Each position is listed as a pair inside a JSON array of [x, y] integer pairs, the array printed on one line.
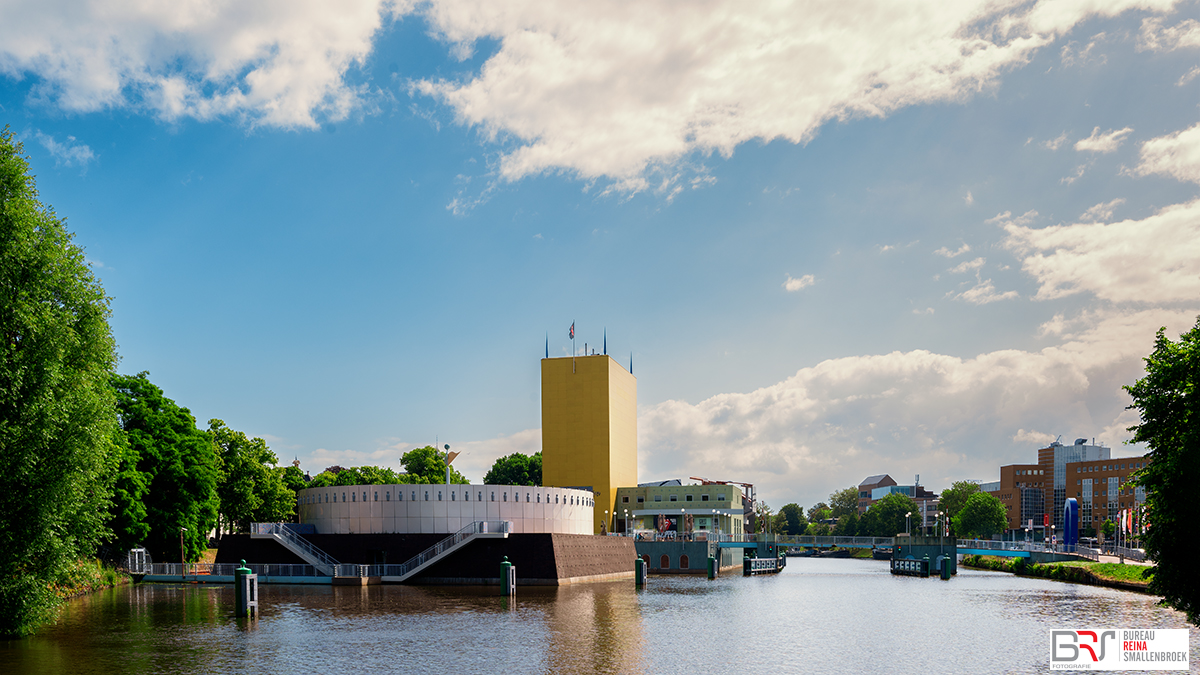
[[571, 333]]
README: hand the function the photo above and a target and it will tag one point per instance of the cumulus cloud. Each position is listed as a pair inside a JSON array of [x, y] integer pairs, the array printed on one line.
[[967, 265], [1152, 260], [622, 91], [1101, 212], [984, 292], [278, 63], [945, 252], [68, 153], [907, 412], [1056, 143], [1156, 37], [1176, 155], [792, 285], [1102, 142]]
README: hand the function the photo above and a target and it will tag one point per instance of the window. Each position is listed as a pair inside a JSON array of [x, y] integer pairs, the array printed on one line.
[[683, 562], [452, 495], [720, 498], [658, 498], [493, 495], [376, 496], [674, 498], [327, 498], [539, 498], [439, 495], [703, 498], [400, 495], [505, 496], [387, 496], [427, 495], [343, 497], [641, 500], [624, 500], [689, 498], [555, 499], [526, 497], [481, 496], [665, 562]]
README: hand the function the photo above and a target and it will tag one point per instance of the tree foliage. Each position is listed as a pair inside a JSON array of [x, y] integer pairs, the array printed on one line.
[[516, 469], [819, 511], [794, 520], [843, 502], [178, 464], [955, 497], [886, 517], [427, 465], [57, 423], [250, 486], [982, 516], [1168, 401], [361, 475], [847, 526]]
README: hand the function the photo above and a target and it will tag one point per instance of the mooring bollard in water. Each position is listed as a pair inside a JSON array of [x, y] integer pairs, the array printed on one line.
[[712, 567], [508, 577], [245, 592], [639, 572]]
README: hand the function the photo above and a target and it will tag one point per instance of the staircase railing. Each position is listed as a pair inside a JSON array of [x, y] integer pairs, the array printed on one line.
[[318, 558], [431, 553]]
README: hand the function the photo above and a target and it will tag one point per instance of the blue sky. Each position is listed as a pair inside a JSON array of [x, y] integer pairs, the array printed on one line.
[[836, 242]]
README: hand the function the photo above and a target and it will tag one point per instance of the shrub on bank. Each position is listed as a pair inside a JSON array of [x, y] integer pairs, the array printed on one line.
[[1076, 572]]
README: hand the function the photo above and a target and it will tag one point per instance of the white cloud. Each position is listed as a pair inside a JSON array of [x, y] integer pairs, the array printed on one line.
[[1032, 437], [1156, 37], [1101, 212], [943, 251], [1188, 76], [1056, 143], [1106, 142], [1153, 260], [478, 456], [1176, 155], [1079, 170], [624, 91], [967, 265], [793, 285], [984, 293], [969, 199], [68, 153], [926, 311], [275, 62], [926, 413]]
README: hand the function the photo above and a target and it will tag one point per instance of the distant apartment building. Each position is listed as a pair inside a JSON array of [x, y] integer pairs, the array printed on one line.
[[874, 488], [712, 507], [1082, 471]]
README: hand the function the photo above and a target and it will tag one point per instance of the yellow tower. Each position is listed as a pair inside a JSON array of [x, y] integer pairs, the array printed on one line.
[[589, 428]]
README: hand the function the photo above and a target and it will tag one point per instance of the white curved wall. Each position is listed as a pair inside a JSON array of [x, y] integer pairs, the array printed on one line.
[[405, 509]]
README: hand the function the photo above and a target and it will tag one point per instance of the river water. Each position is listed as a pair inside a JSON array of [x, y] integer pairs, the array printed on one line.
[[818, 616]]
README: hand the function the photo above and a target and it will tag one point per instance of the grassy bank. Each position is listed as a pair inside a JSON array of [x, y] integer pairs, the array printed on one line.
[[87, 576], [1116, 575], [860, 553]]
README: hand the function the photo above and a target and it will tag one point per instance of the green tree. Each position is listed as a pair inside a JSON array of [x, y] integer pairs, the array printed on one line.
[[250, 486], [1168, 402], [293, 478], [847, 525], [129, 526], [843, 502], [374, 475], [427, 465], [888, 516], [1108, 528], [763, 520], [982, 516], [57, 423], [819, 511], [516, 469], [178, 463], [794, 517], [955, 497]]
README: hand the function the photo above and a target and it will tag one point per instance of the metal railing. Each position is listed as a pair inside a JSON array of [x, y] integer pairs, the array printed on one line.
[[227, 570], [287, 536], [477, 527], [1132, 553]]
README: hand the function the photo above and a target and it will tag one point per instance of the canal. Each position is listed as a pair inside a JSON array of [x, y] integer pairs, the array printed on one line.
[[818, 616]]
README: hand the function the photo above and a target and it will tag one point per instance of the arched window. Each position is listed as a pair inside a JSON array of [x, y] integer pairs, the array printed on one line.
[[665, 563], [683, 562], [376, 496], [646, 557], [493, 495]]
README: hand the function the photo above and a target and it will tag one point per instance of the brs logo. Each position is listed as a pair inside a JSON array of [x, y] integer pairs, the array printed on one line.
[[1070, 642]]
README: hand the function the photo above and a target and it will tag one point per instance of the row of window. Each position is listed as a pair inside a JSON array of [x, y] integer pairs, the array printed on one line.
[[1030, 472], [387, 497], [664, 563], [674, 498], [1110, 467]]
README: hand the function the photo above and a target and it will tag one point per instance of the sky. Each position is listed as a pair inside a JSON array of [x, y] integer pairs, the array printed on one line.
[[833, 239]]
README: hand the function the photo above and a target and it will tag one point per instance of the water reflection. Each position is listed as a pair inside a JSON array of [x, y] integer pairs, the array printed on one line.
[[818, 616]]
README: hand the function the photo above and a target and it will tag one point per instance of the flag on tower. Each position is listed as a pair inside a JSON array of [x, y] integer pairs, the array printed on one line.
[[571, 333]]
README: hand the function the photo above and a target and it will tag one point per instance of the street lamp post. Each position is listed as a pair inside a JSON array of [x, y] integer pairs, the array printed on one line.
[[182, 558], [908, 523], [626, 522], [604, 527], [716, 525]]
